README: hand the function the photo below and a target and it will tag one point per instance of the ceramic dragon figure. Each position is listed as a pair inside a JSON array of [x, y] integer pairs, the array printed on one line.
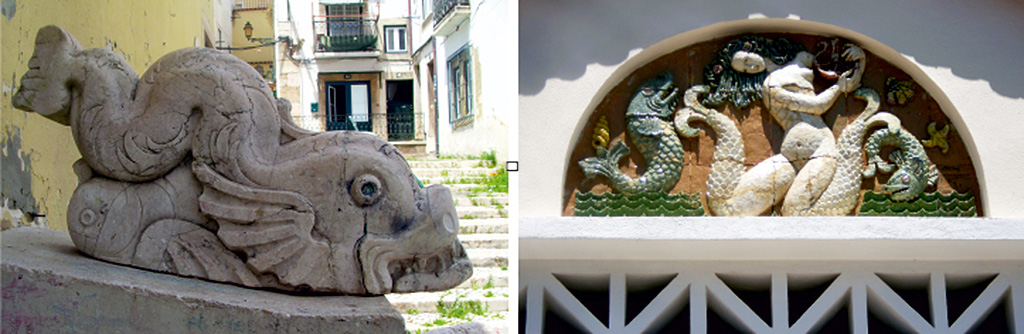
[[649, 126], [915, 170], [196, 169]]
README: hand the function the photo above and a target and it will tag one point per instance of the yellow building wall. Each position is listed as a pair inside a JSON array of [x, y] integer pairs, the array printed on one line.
[[38, 153], [263, 31]]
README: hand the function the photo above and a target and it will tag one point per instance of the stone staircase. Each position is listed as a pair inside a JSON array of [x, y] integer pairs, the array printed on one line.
[[483, 230]]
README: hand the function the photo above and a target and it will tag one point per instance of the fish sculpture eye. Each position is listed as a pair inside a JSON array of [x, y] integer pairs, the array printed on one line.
[[366, 190]]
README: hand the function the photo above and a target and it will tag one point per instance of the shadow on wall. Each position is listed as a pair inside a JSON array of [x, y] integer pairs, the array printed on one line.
[[559, 39]]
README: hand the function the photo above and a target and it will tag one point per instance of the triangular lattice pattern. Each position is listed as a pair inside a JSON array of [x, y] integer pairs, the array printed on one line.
[[759, 302]]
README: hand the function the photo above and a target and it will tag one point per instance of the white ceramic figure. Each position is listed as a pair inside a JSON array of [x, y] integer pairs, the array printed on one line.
[[812, 174]]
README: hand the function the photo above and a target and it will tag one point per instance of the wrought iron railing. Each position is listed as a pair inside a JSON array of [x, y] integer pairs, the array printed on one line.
[[348, 122], [341, 33], [253, 4], [331, 123], [443, 7], [401, 123]]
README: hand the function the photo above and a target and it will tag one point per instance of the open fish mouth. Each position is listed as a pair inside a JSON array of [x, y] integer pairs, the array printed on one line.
[[664, 98], [392, 270], [899, 192], [443, 270], [668, 96]]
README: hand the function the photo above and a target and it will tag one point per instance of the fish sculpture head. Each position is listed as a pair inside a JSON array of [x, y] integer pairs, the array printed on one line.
[[911, 178], [346, 214], [409, 239], [656, 97]]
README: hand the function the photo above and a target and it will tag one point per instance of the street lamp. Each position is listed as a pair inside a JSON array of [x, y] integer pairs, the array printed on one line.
[[248, 30]]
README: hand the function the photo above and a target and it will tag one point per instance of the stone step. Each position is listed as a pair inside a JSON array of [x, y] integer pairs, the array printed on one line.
[[452, 172], [434, 163], [494, 258], [492, 300], [470, 190], [490, 225], [479, 212], [462, 188], [446, 180], [467, 189], [492, 200], [497, 278], [484, 240]]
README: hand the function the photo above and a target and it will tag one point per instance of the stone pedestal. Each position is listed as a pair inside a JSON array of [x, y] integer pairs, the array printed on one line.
[[50, 287]]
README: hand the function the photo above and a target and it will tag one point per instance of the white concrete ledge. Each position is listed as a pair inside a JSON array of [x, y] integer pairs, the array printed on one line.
[[50, 287], [770, 238]]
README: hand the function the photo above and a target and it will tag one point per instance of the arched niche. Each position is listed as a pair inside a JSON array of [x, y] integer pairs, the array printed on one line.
[[686, 55]]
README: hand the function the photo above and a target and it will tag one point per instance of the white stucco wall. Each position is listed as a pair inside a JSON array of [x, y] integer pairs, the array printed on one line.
[[571, 51], [295, 19], [491, 33], [222, 22], [447, 46]]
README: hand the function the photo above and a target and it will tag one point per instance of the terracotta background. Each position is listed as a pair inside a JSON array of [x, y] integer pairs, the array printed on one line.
[[761, 135]]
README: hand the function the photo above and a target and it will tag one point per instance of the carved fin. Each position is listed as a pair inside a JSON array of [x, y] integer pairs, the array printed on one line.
[[897, 157], [616, 152], [606, 165], [649, 126], [290, 130], [933, 174], [273, 228]]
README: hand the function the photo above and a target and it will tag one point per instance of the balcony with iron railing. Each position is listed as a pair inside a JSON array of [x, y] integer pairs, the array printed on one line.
[[345, 33], [253, 4], [448, 14]]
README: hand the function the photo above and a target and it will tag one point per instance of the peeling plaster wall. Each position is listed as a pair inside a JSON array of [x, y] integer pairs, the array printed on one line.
[[141, 31], [19, 205]]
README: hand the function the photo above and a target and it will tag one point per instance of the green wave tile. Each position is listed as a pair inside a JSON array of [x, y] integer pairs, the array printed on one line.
[[645, 204], [930, 197], [926, 205]]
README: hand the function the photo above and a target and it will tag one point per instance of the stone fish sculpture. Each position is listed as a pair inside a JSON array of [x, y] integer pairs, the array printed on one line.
[[196, 169]]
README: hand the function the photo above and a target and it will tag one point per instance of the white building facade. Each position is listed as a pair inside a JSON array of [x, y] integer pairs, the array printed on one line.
[[465, 62], [430, 76], [770, 274], [346, 65]]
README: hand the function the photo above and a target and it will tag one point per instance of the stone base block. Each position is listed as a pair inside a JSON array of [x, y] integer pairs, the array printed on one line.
[[50, 287]]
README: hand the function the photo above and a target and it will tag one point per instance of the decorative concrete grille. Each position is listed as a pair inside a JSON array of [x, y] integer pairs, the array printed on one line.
[[942, 298]]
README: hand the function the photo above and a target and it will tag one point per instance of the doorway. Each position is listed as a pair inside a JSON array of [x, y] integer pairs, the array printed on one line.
[[401, 119], [348, 105]]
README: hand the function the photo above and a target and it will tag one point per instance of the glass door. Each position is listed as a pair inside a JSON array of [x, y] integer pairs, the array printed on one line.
[[348, 106]]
